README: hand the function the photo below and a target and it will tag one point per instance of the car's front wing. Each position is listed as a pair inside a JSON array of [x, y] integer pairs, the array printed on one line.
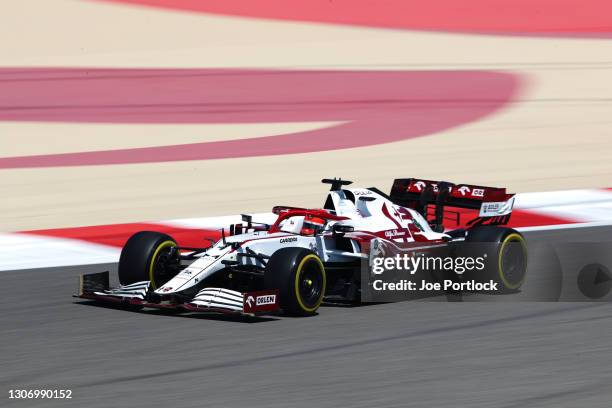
[[95, 286]]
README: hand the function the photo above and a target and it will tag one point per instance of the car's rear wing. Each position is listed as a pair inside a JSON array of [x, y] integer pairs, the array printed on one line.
[[494, 204]]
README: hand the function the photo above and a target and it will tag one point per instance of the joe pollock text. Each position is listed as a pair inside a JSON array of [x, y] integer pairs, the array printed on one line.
[[410, 286]]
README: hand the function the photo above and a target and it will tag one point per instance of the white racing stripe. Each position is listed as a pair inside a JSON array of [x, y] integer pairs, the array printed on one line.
[[23, 251], [566, 226], [527, 201], [572, 205]]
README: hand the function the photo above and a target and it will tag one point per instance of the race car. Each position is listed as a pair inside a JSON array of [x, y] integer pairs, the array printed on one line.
[[308, 256]]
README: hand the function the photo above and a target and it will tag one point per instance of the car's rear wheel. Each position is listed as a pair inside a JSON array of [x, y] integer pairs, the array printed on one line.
[[506, 253], [148, 256], [300, 277]]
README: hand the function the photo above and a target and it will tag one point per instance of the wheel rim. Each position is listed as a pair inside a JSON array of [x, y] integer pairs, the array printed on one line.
[[162, 265], [513, 261], [310, 283]]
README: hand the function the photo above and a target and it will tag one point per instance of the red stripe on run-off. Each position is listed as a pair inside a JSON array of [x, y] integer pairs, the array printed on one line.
[[373, 107], [569, 18], [116, 235]]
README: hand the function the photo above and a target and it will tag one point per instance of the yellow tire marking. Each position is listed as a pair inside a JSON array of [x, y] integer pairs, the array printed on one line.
[[297, 281], [161, 246], [512, 237]]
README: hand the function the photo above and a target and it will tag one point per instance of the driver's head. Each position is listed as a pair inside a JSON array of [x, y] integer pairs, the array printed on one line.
[[312, 225], [292, 225]]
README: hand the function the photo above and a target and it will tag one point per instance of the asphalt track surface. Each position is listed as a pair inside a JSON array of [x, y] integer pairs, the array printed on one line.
[[409, 354]]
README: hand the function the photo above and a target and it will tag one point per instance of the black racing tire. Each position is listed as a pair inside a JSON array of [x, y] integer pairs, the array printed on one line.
[[144, 258], [506, 252], [300, 277]]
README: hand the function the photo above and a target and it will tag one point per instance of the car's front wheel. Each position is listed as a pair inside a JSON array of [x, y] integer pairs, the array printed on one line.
[[299, 275], [148, 256]]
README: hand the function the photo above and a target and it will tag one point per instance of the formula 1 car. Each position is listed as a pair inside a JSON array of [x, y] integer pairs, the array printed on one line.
[[308, 255]]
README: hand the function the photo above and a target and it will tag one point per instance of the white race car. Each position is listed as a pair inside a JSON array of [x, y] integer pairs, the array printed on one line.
[[308, 255]]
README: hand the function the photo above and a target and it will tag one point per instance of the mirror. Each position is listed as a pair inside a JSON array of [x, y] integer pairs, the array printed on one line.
[[342, 229]]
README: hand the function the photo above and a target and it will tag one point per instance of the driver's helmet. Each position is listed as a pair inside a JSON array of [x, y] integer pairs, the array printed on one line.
[[292, 225], [312, 225]]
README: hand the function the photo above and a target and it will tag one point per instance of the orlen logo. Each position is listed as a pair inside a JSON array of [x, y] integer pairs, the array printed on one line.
[[265, 300]]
